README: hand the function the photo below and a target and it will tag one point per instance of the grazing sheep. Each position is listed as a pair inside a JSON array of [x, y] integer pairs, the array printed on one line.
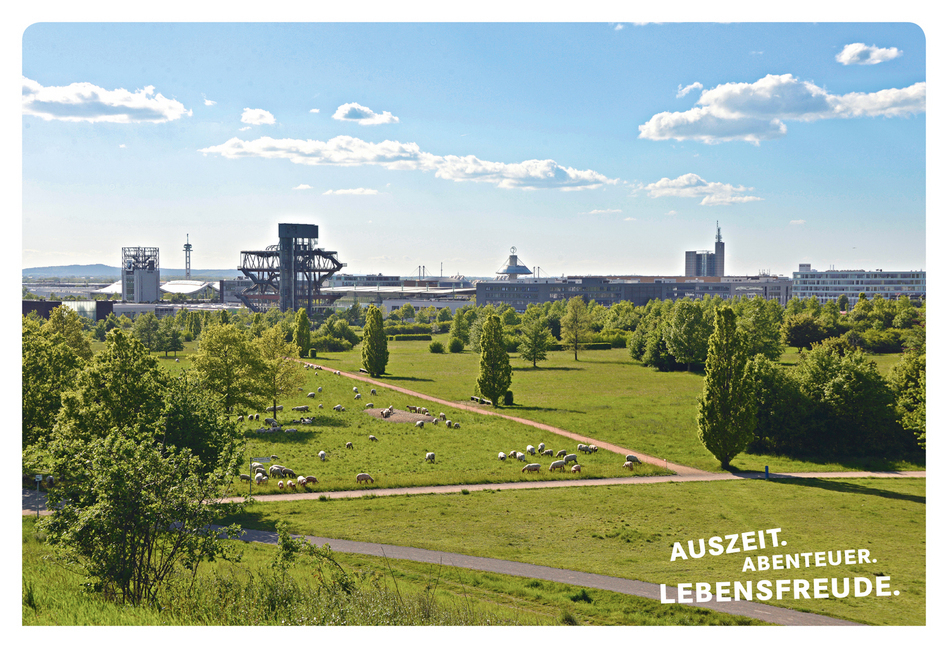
[[521, 456], [301, 408], [434, 422], [349, 445], [449, 424], [385, 413], [372, 391], [541, 447], [291, 484], [361, 477], [319, 389], [256, 464], [430, 456], [301, 481], [244, 477], [276, 471], [583, 448], [311, 480], [372, 437], [630, 465], [280, 484], [570, 457], [593, 448], [288, 473], [322, 455], [547, 453], [312, 394], [457, 426], [337, 408], [558, 464], [292, 430], [273, 457], [632, 458], [240, 418], [419, 424], [357, 397], [369, 405], [575, 468], [531, 450], [561, 453], [530, 468], [260, 478], [355, 389], [412, 408], [501, 456], [442, 416], [270, 421], [320, 406]]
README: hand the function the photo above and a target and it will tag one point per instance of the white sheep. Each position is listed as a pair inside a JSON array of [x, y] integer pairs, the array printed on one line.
[[349, 445], [260, 478], [430, 456], [369, 405], [361, 477], [372, 391], [561, 453], [531, 450], [288, 473], [530, 468], [629, 464], [292, 430], [449, 424], [311, 395], [276, 471], [457, 426], [291, 484], [547, 453], [310, 479], [583, 448], [541, 447], [280, 484], [256, 464], [357, 397], [301, 481], [442, 416], [501, 456], [270, 421], [593, 448], [570, 457], [434, 421], [322, 455], [301, 408], [575, 468], [419, 424], [337, 408], [319, 389], [558, 464], [244, 477]]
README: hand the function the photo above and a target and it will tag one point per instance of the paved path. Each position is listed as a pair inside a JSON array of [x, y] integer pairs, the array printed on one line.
[[769, 613], [677, 468]]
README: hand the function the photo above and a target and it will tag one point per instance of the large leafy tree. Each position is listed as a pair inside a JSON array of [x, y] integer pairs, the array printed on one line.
[[68, 324], [230, 365], [535, 339], [686, 333], [146, 330], [280, 373], [302, 333], [374, 343], [50, 366], [726, 407], [495, 375], [760, 321], [575, 325], [169, 337], [459, 326], [802, 330]]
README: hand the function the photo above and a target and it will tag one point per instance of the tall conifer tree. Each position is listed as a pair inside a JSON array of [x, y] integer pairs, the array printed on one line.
[[374, 343]]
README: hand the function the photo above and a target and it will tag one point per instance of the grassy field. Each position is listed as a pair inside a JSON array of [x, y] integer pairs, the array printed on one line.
[[53, 596], [629, 531], [603, 395]]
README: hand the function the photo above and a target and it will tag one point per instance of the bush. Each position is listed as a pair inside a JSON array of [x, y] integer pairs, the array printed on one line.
[[508, 398], [312, 353], [455, 345], [328, 343], [436, 347], [412, 337]]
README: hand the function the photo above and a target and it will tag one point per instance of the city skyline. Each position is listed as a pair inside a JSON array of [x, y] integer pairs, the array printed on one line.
[[594, 148]]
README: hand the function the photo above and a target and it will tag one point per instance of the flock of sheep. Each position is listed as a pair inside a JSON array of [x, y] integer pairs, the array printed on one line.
[[561, 459]]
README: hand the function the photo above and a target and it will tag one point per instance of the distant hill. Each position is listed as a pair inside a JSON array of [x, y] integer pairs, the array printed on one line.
[[114, 272]]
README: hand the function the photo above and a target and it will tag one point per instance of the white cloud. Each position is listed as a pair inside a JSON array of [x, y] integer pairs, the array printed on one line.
[[671, 212], [691, 185], [207, 102], [245, 128], [351, 192], [362, 115], [256, 117], [862, 54], [683, 91], [755, 111], [302, 186], [78, 102], [797, 222], [314, 110], [619, 26], [604, 211], [629, 218], [121, 146], [351, 151]]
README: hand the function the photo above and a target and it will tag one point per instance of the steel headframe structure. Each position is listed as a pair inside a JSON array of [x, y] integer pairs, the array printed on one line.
[[289, 275]]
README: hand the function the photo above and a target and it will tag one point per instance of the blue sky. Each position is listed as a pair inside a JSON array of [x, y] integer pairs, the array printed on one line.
[[593, 147]]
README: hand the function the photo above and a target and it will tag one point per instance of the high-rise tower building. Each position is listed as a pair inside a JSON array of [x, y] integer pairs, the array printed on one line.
[[705, 263]]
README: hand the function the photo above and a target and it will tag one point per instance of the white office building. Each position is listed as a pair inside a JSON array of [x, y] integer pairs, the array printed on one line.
[[828, 285]]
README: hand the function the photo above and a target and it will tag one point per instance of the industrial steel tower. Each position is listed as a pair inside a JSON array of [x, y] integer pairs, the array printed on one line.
[[289, 275], [187, 257]]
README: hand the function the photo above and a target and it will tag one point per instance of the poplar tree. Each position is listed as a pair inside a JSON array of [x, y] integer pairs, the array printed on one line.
[[496, 374], [374, 343], [726, 407], [301, 334]]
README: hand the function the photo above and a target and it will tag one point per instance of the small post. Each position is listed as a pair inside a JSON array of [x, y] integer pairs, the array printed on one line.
[[766, 472], [38, 479]]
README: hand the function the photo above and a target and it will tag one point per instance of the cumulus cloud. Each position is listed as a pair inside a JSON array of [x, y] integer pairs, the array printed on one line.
[[604, 211], [797, 222], [352, 151], [692, 185], [363, 116], [302, 186], [314, 110], [683, 91], [207, 102], [351, 192], [78, 102], [256, 117], [862, 54], [619, 26], [756, 111], [121, 146]]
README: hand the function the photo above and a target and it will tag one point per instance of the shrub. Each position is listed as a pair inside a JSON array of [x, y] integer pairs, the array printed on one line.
[[508, 398], [436, 347], [455, 345], [412, 337]]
